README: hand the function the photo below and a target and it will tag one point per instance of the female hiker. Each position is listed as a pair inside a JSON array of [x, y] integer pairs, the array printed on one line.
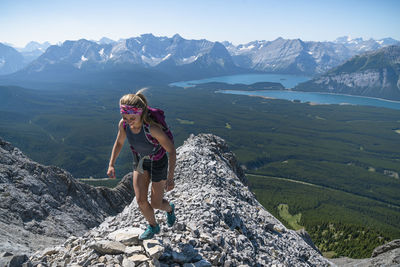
[[149, 144]]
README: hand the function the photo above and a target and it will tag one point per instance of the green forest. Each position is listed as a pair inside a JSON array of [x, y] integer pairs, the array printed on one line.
[[335, 165], [339, 223]]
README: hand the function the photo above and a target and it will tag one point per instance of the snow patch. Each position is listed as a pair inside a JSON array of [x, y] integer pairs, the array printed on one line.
[[166, 57], [153, 61], [101, 52], [188, 60], [83, 58], [148, 60], [120, 47], [246, 47]]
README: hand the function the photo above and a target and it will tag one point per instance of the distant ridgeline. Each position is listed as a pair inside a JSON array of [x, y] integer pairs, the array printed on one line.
[[374, 74], [138, 60]]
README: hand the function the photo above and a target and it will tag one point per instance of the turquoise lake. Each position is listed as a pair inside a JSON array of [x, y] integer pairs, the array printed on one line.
[[289, 81], [320, 98]]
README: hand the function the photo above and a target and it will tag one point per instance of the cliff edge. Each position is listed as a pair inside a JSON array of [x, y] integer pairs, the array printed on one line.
[[41, 206]]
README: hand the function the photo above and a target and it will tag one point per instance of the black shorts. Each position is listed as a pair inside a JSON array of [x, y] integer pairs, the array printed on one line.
[[157, 169]]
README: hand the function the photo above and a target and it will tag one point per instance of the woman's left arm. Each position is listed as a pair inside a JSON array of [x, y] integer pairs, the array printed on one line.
[[167, 144]]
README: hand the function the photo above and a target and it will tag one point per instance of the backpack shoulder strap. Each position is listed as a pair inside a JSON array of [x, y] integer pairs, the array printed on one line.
[[149, 137]]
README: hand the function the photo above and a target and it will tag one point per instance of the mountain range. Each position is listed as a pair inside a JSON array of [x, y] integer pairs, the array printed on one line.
[[300, 57], [10, 60], [374, 74], [176, 54], [174, 57], [32, 51]]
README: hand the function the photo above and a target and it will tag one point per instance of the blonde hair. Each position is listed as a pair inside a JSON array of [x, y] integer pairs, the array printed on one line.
[[138, 100]]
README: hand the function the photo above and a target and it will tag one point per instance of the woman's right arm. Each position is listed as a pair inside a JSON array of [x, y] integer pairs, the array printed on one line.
[[119, 143]]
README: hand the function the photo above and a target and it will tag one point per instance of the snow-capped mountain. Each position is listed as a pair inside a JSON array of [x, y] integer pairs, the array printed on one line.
[[143, 52], [189, 59], [289, 56], [70, 55], [10, 59], [359, 45], [106, 40], [299, 57], [150, 51], [32, 46], [32, 51], [13, 59]]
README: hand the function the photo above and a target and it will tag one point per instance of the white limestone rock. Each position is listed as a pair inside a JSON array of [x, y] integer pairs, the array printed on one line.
[[127, 236], [108, 247]]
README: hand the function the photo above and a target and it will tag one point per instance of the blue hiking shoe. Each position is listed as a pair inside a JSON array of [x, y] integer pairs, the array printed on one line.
[[171, 216], [150, 232]]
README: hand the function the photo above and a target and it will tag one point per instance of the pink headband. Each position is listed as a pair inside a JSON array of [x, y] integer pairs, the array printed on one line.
[[126, 109]]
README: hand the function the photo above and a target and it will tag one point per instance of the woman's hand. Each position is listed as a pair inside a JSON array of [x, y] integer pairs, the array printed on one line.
[[111, 172], [170, 184]]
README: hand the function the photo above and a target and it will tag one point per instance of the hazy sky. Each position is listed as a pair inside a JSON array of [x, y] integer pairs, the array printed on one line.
[[237, 21]]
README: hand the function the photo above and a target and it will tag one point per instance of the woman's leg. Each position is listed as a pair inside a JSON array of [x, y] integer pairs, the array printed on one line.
[[141, 186], [157, 196]]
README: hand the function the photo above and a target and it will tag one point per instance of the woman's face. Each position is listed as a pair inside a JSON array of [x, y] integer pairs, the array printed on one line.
[[131, 115], [132, 119]]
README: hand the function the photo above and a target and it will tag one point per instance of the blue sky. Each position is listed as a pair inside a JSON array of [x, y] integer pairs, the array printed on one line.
[[237, 21]]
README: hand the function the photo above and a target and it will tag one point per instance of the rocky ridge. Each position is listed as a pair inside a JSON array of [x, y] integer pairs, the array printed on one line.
[[41, 205], [385, 255], [219, 223]]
